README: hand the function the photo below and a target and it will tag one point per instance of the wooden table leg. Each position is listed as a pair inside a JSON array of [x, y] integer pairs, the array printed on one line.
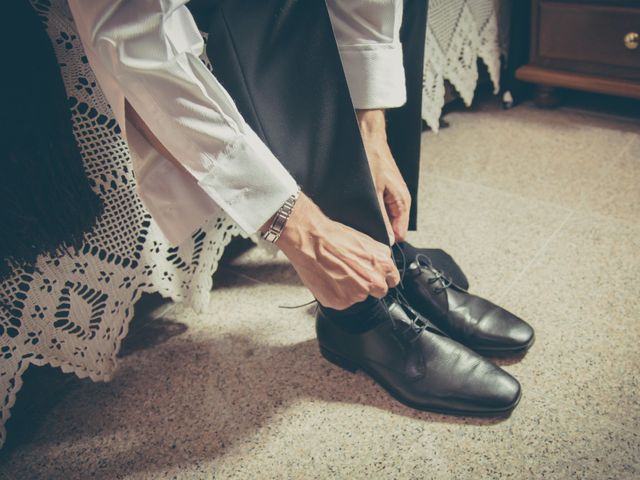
[[547, 97]]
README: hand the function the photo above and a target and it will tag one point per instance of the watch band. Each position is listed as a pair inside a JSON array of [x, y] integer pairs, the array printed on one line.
[[280, 219]]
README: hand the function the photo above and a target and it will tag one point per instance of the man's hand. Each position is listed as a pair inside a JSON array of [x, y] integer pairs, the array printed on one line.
[[393, 194], [340, 265]]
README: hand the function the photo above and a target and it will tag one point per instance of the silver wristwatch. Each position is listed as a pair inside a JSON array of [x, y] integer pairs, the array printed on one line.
[[280, 219]]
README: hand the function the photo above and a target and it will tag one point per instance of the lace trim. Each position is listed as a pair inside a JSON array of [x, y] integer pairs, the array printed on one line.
[[458, 33], [72, 311]]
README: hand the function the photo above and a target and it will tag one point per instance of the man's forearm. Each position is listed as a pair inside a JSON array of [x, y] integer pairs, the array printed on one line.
[[393, 194], [137, 121], [157, 68], [372, 122]]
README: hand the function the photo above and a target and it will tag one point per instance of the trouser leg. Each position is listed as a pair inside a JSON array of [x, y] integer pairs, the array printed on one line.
[[279, 61], [404, 124]]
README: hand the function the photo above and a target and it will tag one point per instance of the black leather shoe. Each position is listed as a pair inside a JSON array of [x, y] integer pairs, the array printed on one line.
[[417, 365], [404, 253], [473, 321]]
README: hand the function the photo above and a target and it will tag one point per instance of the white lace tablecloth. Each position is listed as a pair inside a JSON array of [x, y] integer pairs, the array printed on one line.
[[73, 311], [458, 33]]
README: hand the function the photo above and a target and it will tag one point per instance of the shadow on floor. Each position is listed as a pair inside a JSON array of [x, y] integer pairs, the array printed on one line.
[[201, 409], [45, 387], [196, 410], [277, 273]]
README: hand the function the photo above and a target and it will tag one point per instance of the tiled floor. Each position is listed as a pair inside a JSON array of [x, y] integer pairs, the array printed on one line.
[[542, 210]]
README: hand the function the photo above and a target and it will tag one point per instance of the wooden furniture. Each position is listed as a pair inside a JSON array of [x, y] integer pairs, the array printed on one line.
[[591, 45]]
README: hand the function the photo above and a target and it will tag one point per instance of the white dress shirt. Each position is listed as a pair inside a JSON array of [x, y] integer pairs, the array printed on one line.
[[368, 37], [148, 51]]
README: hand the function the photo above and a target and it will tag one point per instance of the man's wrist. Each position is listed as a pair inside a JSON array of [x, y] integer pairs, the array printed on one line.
[[372, 122]]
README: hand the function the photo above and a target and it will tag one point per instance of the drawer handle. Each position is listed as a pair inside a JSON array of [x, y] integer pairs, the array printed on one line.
[[631, 40]]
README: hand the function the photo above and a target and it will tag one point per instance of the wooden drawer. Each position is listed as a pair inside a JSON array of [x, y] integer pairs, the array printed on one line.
[[588, 34], [580, 44]]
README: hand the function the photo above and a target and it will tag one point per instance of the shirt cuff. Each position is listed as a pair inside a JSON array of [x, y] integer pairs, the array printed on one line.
[[375, 75], [248, 182]]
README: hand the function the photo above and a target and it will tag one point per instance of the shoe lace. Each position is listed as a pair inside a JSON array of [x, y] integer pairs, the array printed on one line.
[[293, 307], [424, 262], [418, 325]]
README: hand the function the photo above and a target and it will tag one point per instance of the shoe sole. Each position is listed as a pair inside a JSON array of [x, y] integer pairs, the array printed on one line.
[[353, 367], [502, 352]]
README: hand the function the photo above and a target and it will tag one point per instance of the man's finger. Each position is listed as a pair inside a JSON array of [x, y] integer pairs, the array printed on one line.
[[393, 277], [387, 221], [398, 212], [400, 227], [379, 289]]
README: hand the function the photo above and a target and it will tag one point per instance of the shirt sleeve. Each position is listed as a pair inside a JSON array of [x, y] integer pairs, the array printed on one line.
[[368, 37], [152, 49]]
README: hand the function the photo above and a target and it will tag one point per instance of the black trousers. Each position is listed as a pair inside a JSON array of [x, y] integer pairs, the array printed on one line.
[[279, 61]]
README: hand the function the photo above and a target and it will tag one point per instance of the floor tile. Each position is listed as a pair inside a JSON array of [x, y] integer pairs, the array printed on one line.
[[539, 208], [618, 195], [557, 157], [491, 234], [581, 378]]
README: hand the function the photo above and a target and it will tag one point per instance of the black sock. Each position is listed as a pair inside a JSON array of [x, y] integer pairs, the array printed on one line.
[[360, 317], [404, 254]]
